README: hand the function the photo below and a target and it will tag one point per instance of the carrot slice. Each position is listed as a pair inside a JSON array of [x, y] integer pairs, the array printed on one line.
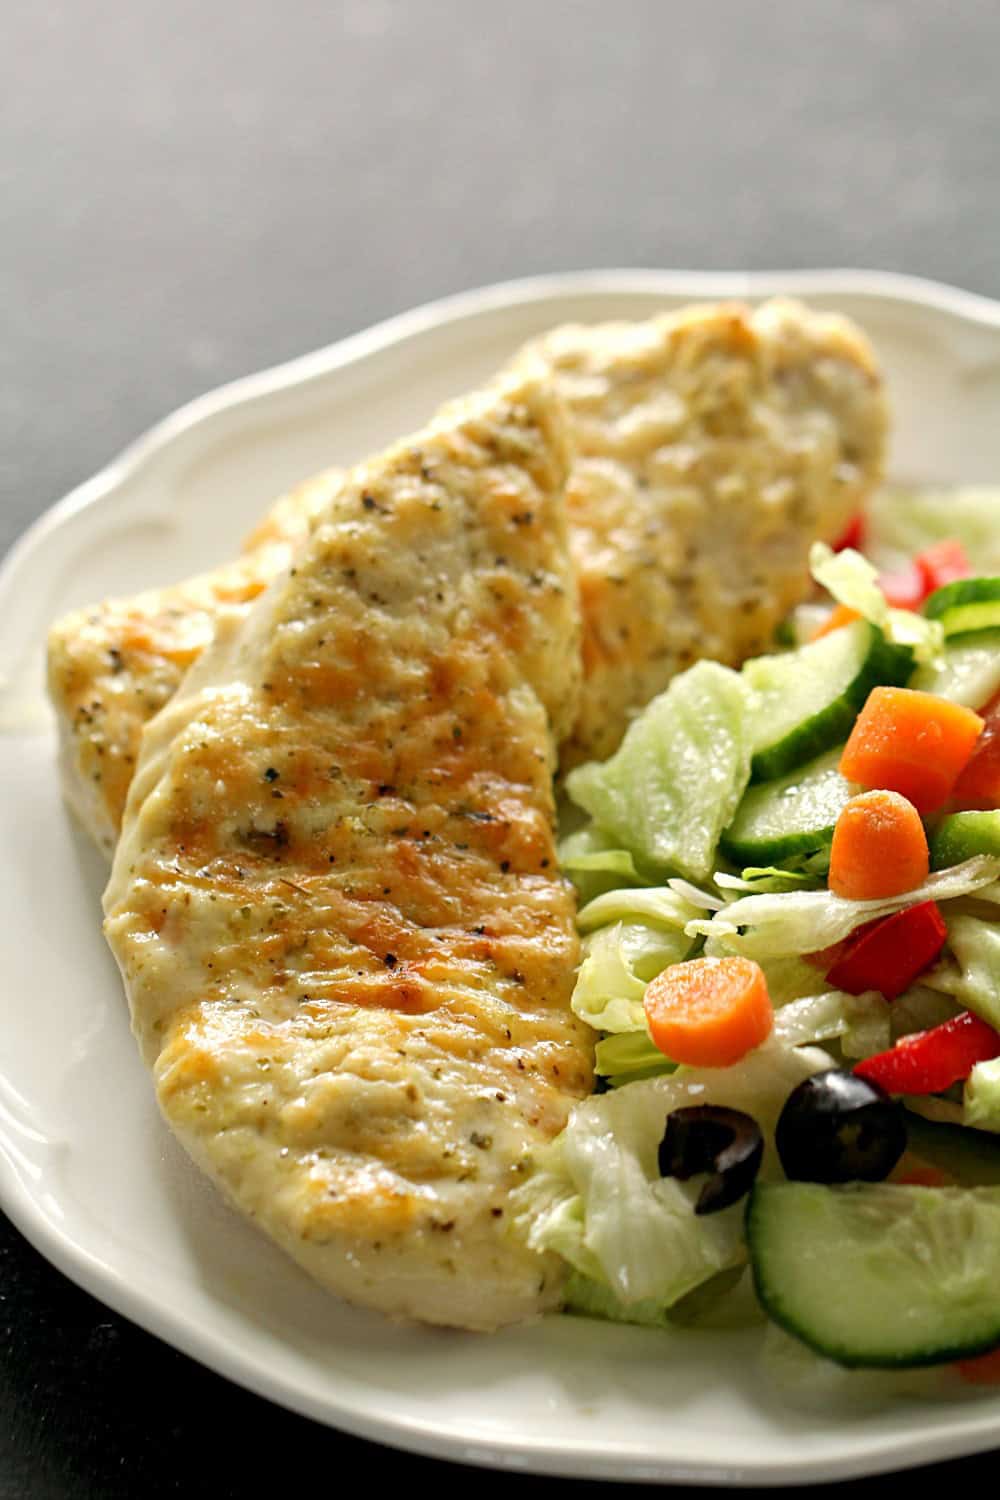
[[910, 742], [879, 848], [843, 614], [709, 1012]]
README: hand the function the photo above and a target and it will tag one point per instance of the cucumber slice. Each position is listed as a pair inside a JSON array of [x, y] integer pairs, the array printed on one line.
[[966, 606], [793, 815], [961, 835], [879, 1275], [807, 700], [970, 672]]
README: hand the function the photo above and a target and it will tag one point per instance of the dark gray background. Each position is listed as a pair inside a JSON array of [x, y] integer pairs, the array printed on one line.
[[194, 189]]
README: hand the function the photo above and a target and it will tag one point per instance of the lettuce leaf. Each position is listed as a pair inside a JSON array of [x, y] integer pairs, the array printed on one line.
[[797, 922], [852, 580], [981, 1096], [859, 1022], [903, 521], [597, 1198], [678, 776], [595, 862], [629, 1055], [976, 946], [618, 963], [657, 904]]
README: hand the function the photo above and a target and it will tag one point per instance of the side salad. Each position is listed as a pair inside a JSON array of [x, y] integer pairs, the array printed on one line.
[[789, 880]]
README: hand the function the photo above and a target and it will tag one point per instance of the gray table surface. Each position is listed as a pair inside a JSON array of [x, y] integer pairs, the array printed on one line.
[[196, 189]]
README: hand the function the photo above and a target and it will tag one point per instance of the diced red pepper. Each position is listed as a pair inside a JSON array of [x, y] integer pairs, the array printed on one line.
[[905, 590], [981, 1369], [943, 563], [853, 535], [978, 787], [889, 954], [930, 1061]]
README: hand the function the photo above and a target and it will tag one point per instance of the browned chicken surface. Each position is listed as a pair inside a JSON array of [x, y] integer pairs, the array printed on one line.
[[710, 448], [335, 902]]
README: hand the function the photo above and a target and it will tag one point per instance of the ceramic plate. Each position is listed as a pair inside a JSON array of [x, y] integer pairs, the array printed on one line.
[[87, 1170]]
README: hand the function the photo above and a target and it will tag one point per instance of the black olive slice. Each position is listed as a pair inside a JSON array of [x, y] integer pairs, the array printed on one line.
[[710, 1138], [837, 1127]]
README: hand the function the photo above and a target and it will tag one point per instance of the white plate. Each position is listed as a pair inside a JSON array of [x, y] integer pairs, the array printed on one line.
[[87, 1170]]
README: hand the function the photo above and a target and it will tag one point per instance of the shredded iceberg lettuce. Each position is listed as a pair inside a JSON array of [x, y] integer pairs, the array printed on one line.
[[678, 776], [627, 1056], [595, 862], [657, 904], [852, 580], [756, 879], [859, 1022], [597, 1196], [976, 946], [981, 1096], [903, 521], [797, 922], [618, 963]]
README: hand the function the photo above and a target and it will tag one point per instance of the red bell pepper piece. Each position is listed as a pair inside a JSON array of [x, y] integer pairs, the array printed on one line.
[[905, 590], [853, 535], [943, 563], [930, 1061], [978, 786], [887, 955]]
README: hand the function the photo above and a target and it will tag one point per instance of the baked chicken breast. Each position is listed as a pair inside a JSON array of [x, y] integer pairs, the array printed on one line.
[[711, 447], [335, 901], [113, 665]]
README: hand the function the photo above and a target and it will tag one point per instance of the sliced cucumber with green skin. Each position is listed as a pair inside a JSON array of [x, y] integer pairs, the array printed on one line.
[[969, 673], [793, 815], [879, 1275], [962, 835], [807, 700], [966, 606]]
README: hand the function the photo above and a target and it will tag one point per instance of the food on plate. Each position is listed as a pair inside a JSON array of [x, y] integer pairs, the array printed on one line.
[[758, 818], [113, 665], [714, 445], [353, 957], [711, 447], [336, 903]]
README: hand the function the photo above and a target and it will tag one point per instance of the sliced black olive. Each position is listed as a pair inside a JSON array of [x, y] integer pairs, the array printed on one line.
[[710, 1138], [837, 1127]]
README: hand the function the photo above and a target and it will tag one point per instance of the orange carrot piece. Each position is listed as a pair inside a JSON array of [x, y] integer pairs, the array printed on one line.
[[910, 742], [978, 787], [981, 1369], [842, 614], [879, 848], [709, 1012]]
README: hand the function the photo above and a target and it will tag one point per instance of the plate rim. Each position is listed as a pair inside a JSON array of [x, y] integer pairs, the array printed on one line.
[[979, 1430]]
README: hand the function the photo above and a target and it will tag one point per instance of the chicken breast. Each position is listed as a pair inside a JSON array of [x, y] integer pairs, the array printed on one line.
[[712, 446], [335, 902], [114, 665]]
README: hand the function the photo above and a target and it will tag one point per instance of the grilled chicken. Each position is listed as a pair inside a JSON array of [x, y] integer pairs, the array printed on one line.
[[111, 667], [712, 446], [335, 901]]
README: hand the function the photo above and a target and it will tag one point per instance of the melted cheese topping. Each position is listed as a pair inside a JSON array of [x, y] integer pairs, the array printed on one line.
[[712, 447], [114, 665], [348, 951]]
